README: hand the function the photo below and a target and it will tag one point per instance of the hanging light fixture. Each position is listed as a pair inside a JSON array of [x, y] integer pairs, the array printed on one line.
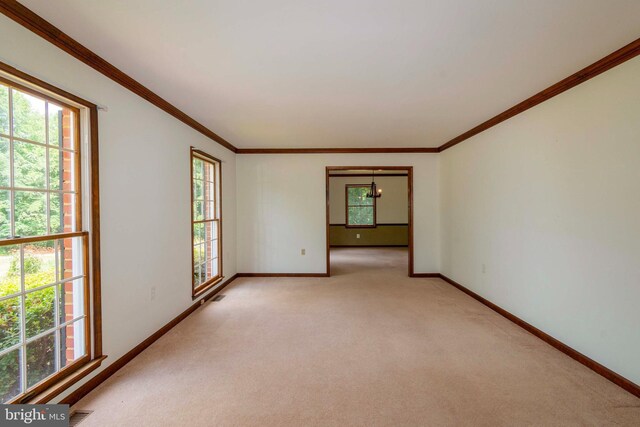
[[374, 192]]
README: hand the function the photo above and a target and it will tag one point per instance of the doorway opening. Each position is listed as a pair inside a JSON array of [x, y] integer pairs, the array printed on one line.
[[369, 218]]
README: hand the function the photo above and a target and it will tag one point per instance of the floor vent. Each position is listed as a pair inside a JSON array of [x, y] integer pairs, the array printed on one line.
[[77, 417], [217, 298]]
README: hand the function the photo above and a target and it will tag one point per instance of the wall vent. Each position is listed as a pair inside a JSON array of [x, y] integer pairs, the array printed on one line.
[[217, 298]]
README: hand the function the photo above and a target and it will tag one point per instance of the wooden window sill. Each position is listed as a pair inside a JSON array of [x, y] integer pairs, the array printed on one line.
[[46, 395], [204, 288]]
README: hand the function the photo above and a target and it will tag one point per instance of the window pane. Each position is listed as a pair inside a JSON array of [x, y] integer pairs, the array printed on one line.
[[10, 376], [198, 189], [5, 214], [61, 170], [198, 254], [39, 264], [208, 191], [208, 171], [68, 171], [206, 253], [5, 170], [62, 212], [358, 196], [199, 275], [4, 109], [62, 220], [196, 277], [28, 117], [207, 269], [72, 345], [29, 164], [55, 169], [10, 320], [360, 216], [198, 211], [212, 266], [210, 212], [55, 124], [30, 212], [213, 230], [40, 359], [55, 219], [197, 168], [40, 311], [9, 271], [68, 212], [198, 232], [207, 210], [68, 129], [68, 265], [70, 302], [203, 272], [212, 248]]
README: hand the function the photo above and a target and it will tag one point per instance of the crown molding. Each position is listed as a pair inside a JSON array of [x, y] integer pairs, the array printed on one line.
[[610, 61], [337, 150], [30, 20], [616, 58], [38, 25]]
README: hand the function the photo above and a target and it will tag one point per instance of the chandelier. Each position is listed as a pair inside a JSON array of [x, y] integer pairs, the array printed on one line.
[[374, 192]]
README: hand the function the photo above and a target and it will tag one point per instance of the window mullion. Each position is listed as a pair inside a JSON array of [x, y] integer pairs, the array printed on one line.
[[46, 167], [23, 325], [11, 169], [56, 308]]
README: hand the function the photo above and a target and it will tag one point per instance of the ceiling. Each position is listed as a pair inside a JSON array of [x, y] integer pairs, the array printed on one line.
[[345, 73]]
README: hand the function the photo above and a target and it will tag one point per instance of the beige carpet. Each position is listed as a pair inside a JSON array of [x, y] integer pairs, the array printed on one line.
[[366, 347]]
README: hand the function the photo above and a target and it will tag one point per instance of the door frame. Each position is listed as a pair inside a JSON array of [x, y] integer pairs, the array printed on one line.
[[408, 169]]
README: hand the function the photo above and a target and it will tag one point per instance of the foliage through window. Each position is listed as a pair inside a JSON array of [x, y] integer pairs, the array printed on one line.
[[43, 248], [360, 209], [206, 221]]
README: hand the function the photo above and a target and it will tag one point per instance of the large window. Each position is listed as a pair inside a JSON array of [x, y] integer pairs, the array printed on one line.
[[44, 247], [206, 227], [360, 209]]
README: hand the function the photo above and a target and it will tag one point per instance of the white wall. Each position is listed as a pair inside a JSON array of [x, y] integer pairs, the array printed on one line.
[[282, 209], [145, 194], [549, 202], [391, 208]]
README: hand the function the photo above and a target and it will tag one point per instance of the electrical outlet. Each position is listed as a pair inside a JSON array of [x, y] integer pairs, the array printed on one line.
[[303, 252], [153, 293], [357, 236]]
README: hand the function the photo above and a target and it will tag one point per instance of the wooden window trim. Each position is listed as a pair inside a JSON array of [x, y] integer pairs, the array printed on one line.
[[199, 290], [52, 386], [347, 206]]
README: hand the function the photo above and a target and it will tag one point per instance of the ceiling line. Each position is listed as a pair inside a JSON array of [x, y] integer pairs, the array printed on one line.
[[336, 150]]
